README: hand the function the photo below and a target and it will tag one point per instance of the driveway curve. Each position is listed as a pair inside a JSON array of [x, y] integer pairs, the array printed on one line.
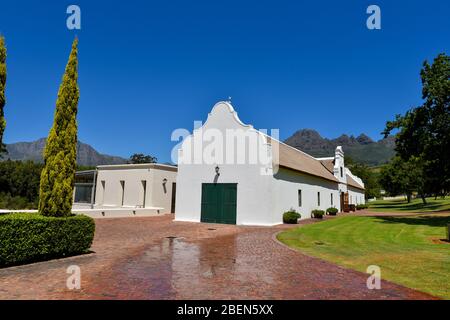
[[157, 258]]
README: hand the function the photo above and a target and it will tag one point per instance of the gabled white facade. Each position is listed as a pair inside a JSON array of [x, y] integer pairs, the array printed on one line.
[[265, 188]]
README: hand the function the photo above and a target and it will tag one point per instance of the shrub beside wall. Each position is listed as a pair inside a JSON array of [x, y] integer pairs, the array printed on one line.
[[318, 214], [26, 237], [291, 217], [332, 211]]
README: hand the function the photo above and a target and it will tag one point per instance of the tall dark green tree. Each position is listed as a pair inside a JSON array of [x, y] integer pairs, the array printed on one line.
[[2, 91], [57, 177], [424, 131]]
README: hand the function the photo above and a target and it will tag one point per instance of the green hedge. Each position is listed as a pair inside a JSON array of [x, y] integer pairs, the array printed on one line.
[[291, 217], [318, 214], [26, 237], [362, 206], [332, 211]]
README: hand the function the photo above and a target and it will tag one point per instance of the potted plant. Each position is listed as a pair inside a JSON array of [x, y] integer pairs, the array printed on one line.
[[318, 214], [332, 211]]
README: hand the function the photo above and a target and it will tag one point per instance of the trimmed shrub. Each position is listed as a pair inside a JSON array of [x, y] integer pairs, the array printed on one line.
[[318, 214], [27, 237], [332, 211], [361, 206], [291, 217]]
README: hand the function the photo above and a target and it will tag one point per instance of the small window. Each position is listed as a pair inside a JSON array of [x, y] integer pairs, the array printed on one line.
[[342, 172], [122, 184], [332, 200], [144, 192], [103, 183], [318, 199], [299, 198]]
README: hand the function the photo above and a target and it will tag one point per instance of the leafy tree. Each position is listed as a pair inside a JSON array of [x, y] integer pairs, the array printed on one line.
[[19, 184], [424, 132], [402, 178], [141, 158], [57, 178], [2, 92], [367, 175]]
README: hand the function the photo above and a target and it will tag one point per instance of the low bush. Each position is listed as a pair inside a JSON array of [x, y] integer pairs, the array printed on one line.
[[291, 216], [318, 214], [361, 206], [332, 211], [26, 237]]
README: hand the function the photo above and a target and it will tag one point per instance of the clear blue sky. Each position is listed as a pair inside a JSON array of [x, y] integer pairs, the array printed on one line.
[[148, 67]]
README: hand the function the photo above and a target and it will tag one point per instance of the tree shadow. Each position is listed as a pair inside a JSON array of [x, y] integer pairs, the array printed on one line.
[[432, 221], [408, 207]]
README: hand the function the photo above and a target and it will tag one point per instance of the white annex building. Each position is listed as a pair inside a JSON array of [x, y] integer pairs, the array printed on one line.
[[126, 190], [229, 172]]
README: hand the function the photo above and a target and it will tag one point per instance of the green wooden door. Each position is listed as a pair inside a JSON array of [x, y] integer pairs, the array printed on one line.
[[219, 203]]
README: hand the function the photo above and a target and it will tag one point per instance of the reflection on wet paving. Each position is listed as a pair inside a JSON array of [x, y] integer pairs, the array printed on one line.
[[156, 258], [238, 266], [173, 267]]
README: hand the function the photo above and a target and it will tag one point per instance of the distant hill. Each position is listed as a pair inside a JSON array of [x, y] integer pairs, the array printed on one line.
[[86, 155], [361, 149]]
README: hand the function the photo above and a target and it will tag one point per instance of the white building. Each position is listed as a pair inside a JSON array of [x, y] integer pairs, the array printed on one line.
[[128, 189], [228, 172]]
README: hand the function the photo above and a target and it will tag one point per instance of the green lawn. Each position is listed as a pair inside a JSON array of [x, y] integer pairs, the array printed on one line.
[[416, 205], [407, 249]]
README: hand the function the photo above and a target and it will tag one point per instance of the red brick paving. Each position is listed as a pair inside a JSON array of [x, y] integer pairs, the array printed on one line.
[[134, 259]]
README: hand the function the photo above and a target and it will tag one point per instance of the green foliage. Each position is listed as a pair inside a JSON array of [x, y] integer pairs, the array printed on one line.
[[28, 237], [2, 92], [7, 201], [332, 211], [367, 175], [141, 158], [402, 177], [19, 184], [57, 178], [318, 214], [291, 217], [424, 132], [361, 206]]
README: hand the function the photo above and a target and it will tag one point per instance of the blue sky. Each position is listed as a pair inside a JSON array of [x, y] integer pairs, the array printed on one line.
[[149, 67]]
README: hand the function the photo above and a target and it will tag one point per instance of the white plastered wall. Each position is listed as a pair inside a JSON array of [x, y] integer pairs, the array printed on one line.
[[288, 182], [155, 193], [254, 189]]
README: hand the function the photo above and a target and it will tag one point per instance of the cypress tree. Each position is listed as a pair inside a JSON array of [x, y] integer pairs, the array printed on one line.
[[2, 91], [58, 174]]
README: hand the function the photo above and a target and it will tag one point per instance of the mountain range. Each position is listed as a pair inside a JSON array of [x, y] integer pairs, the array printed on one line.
[[361, 148], [86, 155]]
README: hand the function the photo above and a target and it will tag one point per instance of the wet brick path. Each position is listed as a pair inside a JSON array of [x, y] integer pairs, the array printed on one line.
[[157, 258]]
